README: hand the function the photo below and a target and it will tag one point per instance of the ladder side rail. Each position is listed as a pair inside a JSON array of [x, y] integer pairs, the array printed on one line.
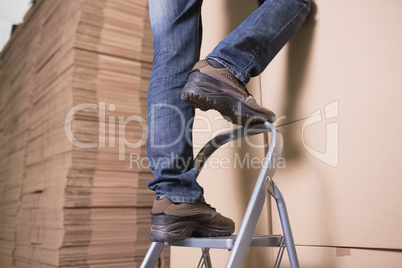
[[257, 200], [225, 137], [152, 255], [286, 229]]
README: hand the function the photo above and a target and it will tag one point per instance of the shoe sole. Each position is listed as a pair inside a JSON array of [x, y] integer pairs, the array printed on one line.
[[171, 228], [206, 96], [171, 232], [183, 230]]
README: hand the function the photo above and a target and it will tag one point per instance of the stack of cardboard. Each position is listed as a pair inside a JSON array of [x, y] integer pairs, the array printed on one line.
[[16, 83], [73, 125]]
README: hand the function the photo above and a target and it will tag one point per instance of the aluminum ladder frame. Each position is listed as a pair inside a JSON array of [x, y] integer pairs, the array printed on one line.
[[238, 244]]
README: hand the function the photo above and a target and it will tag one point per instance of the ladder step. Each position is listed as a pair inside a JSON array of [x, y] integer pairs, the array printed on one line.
[[226, 242]]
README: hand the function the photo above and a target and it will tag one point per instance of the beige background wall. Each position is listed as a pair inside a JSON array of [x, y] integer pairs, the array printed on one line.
[[336, 88], [347, 59]]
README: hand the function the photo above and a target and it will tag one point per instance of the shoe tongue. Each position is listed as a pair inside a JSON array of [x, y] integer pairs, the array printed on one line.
[[160, 205]]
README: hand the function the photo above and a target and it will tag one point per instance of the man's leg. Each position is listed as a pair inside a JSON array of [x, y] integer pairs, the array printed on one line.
[[219, 83], [248, 50], [179, 210], [176, 28]]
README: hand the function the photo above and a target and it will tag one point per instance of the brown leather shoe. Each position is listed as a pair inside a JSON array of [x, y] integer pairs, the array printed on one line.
[[216, 88], [172, 222]]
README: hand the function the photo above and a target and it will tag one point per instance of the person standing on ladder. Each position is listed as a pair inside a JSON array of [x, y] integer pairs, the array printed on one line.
[[180, 82]]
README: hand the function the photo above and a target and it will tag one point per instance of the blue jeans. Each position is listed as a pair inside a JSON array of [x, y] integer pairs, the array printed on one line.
[[246, 52]]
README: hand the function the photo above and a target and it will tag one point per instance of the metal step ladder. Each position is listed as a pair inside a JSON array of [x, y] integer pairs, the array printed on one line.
[[238, 244]]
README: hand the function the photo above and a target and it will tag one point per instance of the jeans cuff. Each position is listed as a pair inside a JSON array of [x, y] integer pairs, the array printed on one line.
[[181, 199], [244, 78]]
